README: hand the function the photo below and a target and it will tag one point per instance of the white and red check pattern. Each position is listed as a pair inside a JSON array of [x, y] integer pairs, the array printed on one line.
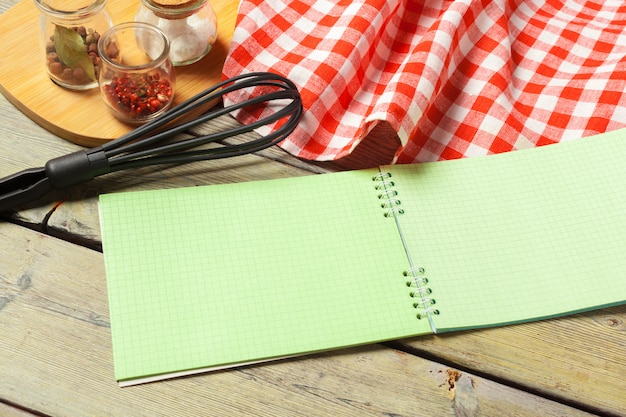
[[453, 78]]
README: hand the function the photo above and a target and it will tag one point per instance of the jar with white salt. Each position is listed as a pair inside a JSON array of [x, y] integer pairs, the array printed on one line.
[[191, 26]]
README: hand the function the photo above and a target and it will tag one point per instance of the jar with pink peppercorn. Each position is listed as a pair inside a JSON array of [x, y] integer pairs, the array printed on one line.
[[137, 78]]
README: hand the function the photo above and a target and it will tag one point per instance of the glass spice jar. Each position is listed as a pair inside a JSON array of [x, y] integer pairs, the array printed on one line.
[[137, 77], [69, 36], [190, 25]]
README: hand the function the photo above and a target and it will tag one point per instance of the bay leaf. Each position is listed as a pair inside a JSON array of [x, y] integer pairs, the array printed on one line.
[[70, 48]]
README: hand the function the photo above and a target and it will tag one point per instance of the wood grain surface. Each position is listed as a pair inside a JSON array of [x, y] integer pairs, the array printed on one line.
[[56, 346], [55, 341], [82, 116]]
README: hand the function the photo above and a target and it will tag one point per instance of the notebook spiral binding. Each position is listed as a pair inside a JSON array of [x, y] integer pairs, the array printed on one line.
[[387, 194], [417, 280]]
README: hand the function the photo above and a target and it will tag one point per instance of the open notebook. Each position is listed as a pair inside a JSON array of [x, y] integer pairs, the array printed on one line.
[[216, 276]]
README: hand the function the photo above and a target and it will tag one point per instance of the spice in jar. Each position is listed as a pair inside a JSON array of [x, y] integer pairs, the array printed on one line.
[[139, 95], [69, 34], [137, 76], [72, 54], [191, 26]]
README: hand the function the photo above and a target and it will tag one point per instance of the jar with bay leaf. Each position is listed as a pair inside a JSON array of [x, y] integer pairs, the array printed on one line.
[[70, 30]]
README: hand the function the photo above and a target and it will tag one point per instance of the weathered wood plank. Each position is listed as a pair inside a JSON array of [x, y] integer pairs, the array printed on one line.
[[580, 358], [7, 4], [56, 348], [9, 411]]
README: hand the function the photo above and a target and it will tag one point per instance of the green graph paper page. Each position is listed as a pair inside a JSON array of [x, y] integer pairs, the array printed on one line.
[[213, 276], [522, 235]]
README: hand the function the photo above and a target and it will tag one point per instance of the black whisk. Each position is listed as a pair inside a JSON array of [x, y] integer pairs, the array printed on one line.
[[151, 143]]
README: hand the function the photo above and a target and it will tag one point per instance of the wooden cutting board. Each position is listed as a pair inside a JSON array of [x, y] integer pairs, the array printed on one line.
[[81, 116]]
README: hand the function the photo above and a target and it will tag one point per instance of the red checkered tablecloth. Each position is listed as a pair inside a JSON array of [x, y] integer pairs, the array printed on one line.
[[453, 78]]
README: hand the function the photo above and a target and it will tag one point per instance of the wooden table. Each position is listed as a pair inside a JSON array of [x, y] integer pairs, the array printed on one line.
[[55, 345]]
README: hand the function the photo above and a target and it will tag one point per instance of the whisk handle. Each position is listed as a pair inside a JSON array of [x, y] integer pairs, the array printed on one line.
[[76, 168]]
